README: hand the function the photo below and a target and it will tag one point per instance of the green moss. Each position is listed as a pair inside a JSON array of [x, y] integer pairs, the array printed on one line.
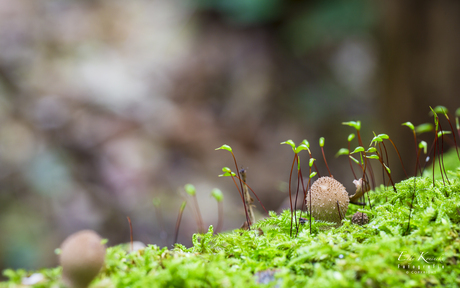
[[373, 255]]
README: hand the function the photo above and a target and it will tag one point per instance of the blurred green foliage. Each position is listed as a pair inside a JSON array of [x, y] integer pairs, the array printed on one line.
[[245, 12]]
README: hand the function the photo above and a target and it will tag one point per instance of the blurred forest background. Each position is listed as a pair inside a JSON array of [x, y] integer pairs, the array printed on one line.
[[107, 106]]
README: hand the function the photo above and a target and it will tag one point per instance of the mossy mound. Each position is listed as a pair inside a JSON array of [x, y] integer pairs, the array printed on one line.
[[382, 253]]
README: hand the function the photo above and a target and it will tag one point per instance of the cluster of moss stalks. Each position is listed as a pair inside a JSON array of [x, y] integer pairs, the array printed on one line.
[[381, 253]]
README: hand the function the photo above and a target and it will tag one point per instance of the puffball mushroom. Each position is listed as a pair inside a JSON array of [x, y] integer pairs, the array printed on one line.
[[360, 218], [82, 257], [325, 193]]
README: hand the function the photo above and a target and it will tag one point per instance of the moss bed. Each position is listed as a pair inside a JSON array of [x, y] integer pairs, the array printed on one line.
[[378, 254]]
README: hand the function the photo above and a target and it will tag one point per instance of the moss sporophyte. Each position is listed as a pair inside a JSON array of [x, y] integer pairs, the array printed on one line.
[[403, 236]]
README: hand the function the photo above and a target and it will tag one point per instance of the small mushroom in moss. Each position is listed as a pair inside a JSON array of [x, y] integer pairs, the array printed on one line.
[[82, 257], [360, 218], [329, 200]]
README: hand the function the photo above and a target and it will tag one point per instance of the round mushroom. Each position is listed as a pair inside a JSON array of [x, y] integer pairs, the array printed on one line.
[[82, 257], [360, 218], [327, 196]]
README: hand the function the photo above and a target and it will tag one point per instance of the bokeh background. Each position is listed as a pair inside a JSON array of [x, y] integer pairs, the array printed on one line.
[[110, 106]]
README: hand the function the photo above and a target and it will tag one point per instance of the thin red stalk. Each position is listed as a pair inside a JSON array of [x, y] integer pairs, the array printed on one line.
[[441, 156], [383, 168], [389, 175], [237, 170], [386, 154], [290, 199], [359, 138], [296, 195], [371, 171], [309, 181], [418, 159], [327, 166], [441, 162], [256, 196], [365, 166], [131, 233], [416, 151], [304, 191], [198, 214], [365, 159], [453, 134], [388, 164], [242, 199], [366, 183], [367, 191], [399, 155], [304, 196], [179, 218], [239, 178], [359, 165], [349, 160]]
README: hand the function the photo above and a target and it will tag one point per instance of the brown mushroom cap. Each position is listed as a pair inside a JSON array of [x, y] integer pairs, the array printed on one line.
[[360, 218], [325, 192], [82, 256]]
